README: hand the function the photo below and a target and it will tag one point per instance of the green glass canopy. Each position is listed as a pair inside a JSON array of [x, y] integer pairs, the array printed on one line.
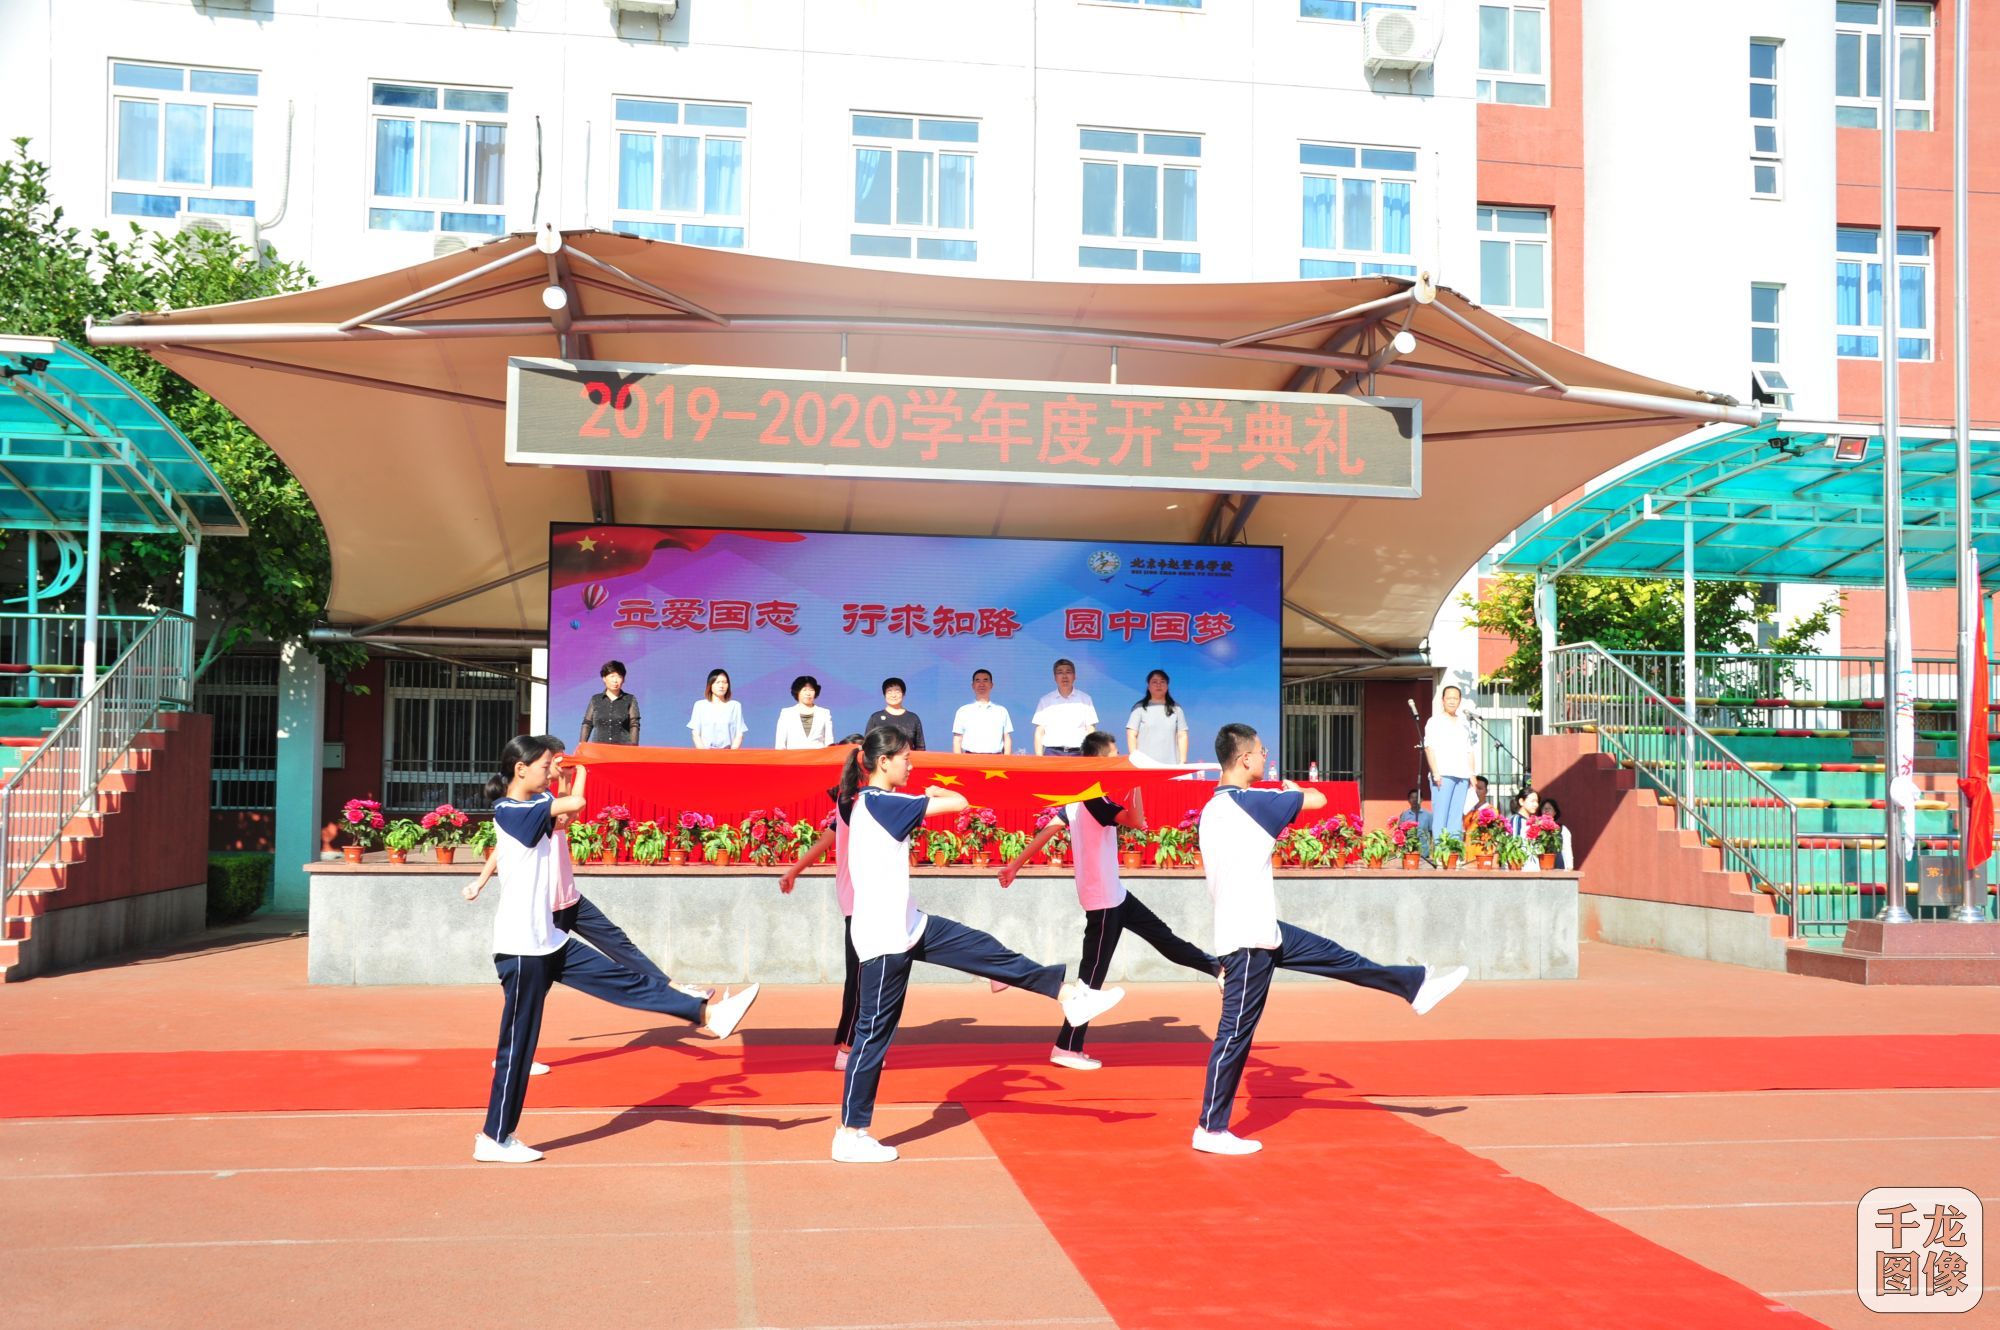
[[63, 416], [1776, 503]]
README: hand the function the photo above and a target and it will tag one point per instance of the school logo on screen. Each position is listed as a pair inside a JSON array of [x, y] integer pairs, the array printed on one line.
[[1104, 563]]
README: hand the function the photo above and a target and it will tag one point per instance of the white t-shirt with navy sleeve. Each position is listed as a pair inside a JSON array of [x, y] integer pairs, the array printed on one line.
[[886, 921], [1238, 829], [843, 881], [1093, 839], [525, 851]]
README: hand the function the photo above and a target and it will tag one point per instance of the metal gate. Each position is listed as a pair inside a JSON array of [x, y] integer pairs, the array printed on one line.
[[1322, 723], [447, 724]]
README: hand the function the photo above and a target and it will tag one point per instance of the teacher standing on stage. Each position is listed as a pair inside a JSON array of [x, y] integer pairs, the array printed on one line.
[[1064, 715], [612, 717], [717, 721]]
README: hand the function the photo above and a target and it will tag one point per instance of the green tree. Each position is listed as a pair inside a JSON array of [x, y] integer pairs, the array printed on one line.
[[1629, 614], [53, 277]]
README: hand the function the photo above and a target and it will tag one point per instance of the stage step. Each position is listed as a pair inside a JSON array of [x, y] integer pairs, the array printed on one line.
[[1920, 952]]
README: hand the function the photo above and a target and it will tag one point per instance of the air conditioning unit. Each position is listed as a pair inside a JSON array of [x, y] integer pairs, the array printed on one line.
[[663, 10], [1397, 39], [243, 228], [449, 244]]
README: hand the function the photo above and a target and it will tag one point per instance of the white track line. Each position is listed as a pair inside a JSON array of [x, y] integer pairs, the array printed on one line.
[[1844, 1293], [463, 1168], [1851, 1203], [700, 1114], [485, 1239], [1629, 1095], [1783, 1140]]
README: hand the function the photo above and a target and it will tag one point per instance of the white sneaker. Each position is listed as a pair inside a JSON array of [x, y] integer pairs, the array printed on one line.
[[1224, 1143], [487, 1151], [1437, 986], [997, 986], [1062, 1057], [724, 1015], [858, 1147], [1090, 1003], [534, 1068], [840, 1059]]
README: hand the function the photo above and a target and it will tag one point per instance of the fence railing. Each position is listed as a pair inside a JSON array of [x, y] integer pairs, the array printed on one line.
[[1844, 876], [1737, 811], [60, 779], [1798, 692], [42, 654]]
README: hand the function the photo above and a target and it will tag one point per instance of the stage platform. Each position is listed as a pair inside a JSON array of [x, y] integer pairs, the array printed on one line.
[[376, 923]]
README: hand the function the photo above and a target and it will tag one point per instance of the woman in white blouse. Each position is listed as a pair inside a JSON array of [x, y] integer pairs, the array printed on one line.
[[717, 721], [804, 725]]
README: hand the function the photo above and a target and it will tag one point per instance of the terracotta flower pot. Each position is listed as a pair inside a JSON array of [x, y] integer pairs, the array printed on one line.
[[608, 855], [1412, 862], [1130, 858], [1375, 860], [1548, 862], [1277, 858], [398, 856], [445, 853], [982, 860], [352, 853], [1486, 861], [677, 858], [1450, 862], [721, 858], [488, 854]]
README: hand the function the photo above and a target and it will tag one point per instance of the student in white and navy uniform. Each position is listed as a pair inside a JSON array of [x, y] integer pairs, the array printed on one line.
[[1108, 909], [1239, 825], [843, 892], [531, 953], [890, 932]]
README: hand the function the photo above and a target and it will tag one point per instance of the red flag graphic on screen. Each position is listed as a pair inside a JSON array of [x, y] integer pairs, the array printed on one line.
[[591, 553], [1976, 784]]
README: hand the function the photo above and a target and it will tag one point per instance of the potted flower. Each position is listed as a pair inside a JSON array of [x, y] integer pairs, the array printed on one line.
[[686, 838], [1170, 846], [978, 827], [649, 842], [1546, 837], [942, 846], [612, 822], [1011, 844], [1510, 851], [1304, 848], [1377, 845], [830, 826], [765, 837], [362, 819], [1191, 849], [586, 841], [1131, 847], [444, 827], [801, 836], [484, 837], [1446, 847], [1341, 835], [1409, 842], [1057, 849], [721, 843], [1482, 835], [402, 836]]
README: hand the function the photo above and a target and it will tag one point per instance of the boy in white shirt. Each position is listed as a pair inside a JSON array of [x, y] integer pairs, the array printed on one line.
[[1108, 909], [1239, 825]]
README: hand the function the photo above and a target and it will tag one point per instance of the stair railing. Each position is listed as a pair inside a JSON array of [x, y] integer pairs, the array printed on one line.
[[1730, 806], [59, 780]]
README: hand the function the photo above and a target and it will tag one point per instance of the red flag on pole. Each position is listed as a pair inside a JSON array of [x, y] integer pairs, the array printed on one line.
[[1976, 784]]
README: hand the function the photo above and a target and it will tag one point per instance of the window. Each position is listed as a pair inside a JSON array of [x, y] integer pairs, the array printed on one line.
[[1857, 64], [913, 188], [182, 140], [1156, 4], [1857, 293], [1514, 266], [445, 723], [440, 159], [1764, 157], [1356, 204], [680, 170], [1345, 11], [1139, 192], [1321, 723], [1767, 381], [1513, 54], [241, 693]]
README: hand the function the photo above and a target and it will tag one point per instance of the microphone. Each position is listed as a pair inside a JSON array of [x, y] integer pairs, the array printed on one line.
[[1413, 706]]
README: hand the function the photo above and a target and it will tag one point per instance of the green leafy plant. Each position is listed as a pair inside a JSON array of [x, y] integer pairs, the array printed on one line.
[[1509, 850], [485, 835], [1377, 844], [237, 883], [1172, 846], [1131, 840], [649, 843], [802, 835], [1303, 847], [720, 839], [586, 840], [404, 834], [1447, 845], [1012, 843], [942, 847]]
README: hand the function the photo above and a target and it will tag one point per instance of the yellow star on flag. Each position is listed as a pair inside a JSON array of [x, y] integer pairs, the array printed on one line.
[[586, 544], [1096, 791], [947, 780], [994, 775]]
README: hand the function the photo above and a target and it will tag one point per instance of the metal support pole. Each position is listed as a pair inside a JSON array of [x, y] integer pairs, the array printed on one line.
[[1971, 908], [93, 560], [1895, 904], [190, 589], [1688, 684], [34, 613], [1545, 621]]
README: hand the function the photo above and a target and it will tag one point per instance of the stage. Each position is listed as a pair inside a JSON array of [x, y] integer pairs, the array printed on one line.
[[374, 923]]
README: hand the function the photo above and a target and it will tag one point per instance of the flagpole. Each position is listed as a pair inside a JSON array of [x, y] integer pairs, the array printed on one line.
[[1895, 900], [1969, 910]]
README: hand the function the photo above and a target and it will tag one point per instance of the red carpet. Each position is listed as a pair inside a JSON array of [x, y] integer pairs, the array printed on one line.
[[698, 1071], [1352, 1216]]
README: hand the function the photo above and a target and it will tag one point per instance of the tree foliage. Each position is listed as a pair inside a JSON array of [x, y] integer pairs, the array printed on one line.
[[53, 277], [1630, 614]]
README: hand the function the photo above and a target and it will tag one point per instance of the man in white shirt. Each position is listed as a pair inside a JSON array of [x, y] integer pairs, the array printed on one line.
[[1064, 715], [1239, 825], [982, 725], [1453, 757]]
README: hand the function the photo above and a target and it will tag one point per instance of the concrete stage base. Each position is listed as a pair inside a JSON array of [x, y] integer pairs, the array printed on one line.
[[1733, 937], [1918, 952], [78, 934], [377, 924]]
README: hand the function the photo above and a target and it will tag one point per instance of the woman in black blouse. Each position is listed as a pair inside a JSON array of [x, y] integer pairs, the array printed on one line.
[[613, 715]]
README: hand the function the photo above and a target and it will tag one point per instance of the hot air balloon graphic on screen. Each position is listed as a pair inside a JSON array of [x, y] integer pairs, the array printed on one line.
[[593, 595]]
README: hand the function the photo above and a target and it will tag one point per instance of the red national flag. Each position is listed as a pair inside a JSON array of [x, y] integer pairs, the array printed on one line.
[[1976, 784]]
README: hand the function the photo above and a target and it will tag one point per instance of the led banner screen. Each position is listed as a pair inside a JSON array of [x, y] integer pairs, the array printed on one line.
[[676, 602], [771, 422]]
